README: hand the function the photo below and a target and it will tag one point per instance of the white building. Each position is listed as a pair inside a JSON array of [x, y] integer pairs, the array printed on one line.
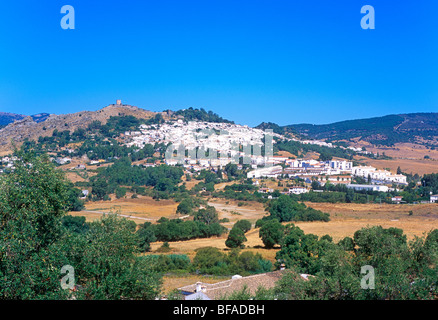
[[434, 198], [378, 175], [265, 172], [362, 171], [298, 190], [341, 165], [368, 187]]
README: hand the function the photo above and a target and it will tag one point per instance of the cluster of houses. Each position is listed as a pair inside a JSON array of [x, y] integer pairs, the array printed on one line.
[[7, 163], [334, 171], [378, 176], [343, 171], [223, 137], [228, 141]]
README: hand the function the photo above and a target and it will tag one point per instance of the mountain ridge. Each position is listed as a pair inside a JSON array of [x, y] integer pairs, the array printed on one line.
[[419, 128], [386, 130]]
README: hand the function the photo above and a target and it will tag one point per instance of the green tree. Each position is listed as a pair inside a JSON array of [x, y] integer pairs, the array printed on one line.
[[146, 235], [231, 170], [271, 233], [236, 238], [243, 224], [75, 224], [185, 206], [32, 201], [106, 265], [208, 215], [120, 192], [287, 209], [36, 241]]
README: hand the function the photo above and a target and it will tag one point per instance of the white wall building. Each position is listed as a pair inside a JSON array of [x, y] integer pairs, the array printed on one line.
[[265, 172], [341, 165], [368, 187], [298, 190]]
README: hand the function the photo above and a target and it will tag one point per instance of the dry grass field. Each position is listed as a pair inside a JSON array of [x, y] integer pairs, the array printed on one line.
[[410, 158], [143, 207], [406, 151], [345, 220]]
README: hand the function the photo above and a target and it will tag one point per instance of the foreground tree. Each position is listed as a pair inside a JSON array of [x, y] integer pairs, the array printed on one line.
[[32, 200], [36, 242], [106, 263]]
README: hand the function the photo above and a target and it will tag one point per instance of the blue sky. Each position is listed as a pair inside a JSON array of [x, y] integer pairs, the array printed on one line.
[[284, 61]]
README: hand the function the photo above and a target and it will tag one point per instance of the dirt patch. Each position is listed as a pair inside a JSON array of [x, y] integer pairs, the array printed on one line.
[[143, 207], [231, 210]]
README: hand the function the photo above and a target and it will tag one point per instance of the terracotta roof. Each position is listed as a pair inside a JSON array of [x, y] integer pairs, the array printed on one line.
[[224, 288]]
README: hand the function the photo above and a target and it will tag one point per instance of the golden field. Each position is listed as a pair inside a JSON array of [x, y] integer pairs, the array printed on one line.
[[345, 219]]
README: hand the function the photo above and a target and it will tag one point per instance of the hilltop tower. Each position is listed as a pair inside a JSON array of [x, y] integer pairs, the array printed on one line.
[[119, 102]]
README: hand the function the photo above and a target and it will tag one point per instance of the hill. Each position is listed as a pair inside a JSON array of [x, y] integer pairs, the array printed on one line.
[[420, 128], [32, 127]]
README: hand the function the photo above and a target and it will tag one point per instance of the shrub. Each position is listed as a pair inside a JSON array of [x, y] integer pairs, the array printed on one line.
[[235, 238], [244, 225], [271, 233]]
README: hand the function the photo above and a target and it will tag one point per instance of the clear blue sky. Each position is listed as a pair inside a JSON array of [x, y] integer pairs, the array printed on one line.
[[284, 61]]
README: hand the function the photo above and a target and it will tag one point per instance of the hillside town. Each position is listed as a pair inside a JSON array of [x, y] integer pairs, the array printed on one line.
[[211, 146], [230, 142]]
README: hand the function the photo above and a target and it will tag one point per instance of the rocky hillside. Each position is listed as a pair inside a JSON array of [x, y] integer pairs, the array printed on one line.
[[31, 127]]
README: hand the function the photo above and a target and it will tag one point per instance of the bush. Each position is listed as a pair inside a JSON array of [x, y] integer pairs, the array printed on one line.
[[287, 209], [120, 192], [260, 222], [244, 225], [271, 233], [169, 262], [235, 238], [211, 260]]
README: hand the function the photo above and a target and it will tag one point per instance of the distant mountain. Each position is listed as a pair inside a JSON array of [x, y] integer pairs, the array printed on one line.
[[414, 128], [40, 117], [7, 118]]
